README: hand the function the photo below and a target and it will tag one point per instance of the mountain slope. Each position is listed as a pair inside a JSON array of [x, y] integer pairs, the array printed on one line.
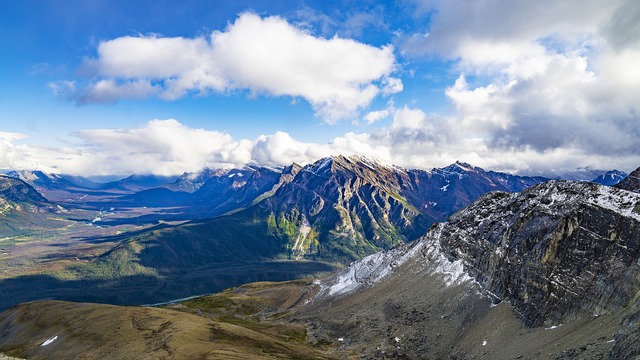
[[58, 330], [631, 182], [558, 254], [17, 195], [551, 272]]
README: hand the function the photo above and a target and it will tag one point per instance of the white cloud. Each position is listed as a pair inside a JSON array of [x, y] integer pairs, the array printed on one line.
[[375, 116], [167, 147], [280, 149], [7, 149], [540, 77], [269, 56]]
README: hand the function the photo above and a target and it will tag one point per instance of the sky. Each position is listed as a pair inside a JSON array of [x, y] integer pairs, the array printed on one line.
[[112, 87]]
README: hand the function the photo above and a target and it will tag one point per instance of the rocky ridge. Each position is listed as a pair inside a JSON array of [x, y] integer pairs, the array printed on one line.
[[558, 253], [631, 182]]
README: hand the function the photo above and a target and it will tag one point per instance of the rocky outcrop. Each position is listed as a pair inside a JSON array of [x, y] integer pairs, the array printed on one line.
[[631, 182], [552, 250]]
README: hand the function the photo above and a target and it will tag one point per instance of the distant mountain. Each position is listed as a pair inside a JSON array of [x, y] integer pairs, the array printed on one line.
[[17, 195], [40, 179], [134, 183], [631, 182], [581, 174], [190, 182], [610, 178], [222, 192], [131, 183]]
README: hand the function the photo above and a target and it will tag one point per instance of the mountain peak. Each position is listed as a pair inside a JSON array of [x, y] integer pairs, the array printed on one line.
[[459, 168]]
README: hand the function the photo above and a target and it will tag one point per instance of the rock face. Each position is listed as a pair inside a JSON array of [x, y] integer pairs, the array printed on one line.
[[631, 182], [553, 250], [560, 252], [357, 206]]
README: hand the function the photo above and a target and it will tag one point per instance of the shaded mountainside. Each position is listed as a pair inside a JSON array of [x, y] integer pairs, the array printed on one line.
[[610, 178], [631, 182]]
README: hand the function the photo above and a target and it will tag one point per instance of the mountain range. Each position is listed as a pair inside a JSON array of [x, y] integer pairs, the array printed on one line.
[[547, 272], [290, 222]]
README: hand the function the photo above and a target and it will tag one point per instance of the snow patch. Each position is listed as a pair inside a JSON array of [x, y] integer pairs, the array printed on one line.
[[619, 201], [371, 269], [327, 162], [374, 268], [49, 341]]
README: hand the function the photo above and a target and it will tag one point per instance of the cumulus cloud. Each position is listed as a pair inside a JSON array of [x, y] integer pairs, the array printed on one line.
[[540, 77], [375, 116], [8, 152], [167, 147], [265, 56]]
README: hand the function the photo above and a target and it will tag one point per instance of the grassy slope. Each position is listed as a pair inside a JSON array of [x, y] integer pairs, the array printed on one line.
[[93, 331]]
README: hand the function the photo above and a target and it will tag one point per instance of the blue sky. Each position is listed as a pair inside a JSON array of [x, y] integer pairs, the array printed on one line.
[[117, 87]]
